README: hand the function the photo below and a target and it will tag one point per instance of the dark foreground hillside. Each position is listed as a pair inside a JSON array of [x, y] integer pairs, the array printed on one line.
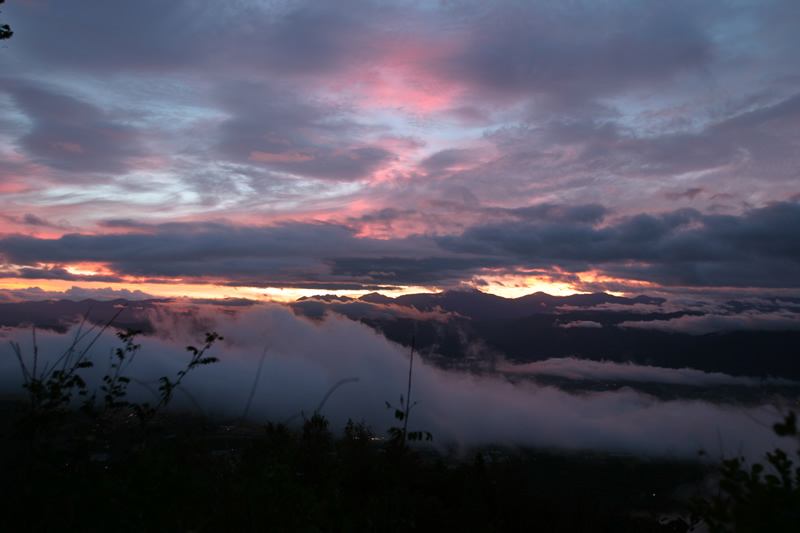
[[189, 475]]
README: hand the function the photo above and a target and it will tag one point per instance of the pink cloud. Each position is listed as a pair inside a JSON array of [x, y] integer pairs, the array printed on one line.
[[403, 75]]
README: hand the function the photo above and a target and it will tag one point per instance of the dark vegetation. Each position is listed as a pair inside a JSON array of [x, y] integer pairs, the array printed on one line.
[[193, 476], [5, 29], [756, 497]]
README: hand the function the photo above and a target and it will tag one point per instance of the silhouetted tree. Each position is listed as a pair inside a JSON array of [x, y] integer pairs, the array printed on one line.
[[315, 445], [5, 29]]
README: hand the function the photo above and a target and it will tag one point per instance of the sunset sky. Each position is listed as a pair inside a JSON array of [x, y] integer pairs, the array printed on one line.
[[275, 149]]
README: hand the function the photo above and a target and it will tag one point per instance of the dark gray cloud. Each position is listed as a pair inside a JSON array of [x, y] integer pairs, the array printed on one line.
[[32, 294], [103, 37], [682, 247], [688, 194], [276, 129], [29, 219], [385, 215], [70, 134], [762, 134], [180, 242], [461, 210], [412, 271], [550, 213], [291, 255], [312, 38], [56, 273], [571, 55], [602, 152], [345, 165]]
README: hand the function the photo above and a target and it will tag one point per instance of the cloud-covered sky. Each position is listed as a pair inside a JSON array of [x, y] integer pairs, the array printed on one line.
[[248, 146]]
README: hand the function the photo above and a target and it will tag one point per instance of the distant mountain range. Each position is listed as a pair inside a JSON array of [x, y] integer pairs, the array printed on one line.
[[59, 315], [532, 328], [482, 306], [482, 328]]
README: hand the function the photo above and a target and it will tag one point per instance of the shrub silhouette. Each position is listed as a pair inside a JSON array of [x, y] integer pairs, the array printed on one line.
[[49, 427], [355, 451], [761, 498], [316, 444], [5, 29]]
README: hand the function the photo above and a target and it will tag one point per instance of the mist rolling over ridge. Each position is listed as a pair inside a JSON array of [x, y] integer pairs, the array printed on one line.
[[482, 397]]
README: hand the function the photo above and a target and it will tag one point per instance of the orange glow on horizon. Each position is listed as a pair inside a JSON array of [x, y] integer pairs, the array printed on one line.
[[199, 290], [503, 285], [517, 286], [86, 269]]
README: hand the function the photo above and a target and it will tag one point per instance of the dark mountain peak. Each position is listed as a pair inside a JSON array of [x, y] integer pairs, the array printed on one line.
[[468, 295], [643, 299], [376, 298], [538, 297], [326, 298]]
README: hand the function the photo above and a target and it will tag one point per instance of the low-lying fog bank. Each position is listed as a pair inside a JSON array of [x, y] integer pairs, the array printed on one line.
[[306, 358]]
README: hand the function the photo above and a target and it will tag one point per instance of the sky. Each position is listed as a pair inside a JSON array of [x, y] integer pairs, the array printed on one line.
[[276, 149]]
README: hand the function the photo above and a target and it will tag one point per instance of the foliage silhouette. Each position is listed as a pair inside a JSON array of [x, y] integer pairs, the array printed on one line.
[[761, 498], [5, 29], [146, 412], [50, 389], [48, 421]]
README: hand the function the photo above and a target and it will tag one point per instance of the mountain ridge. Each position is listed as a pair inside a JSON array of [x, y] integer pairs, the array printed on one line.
[[482, 306]]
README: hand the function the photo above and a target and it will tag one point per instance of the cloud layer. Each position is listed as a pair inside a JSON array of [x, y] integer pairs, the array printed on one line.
[[677, 248], [582, 369]]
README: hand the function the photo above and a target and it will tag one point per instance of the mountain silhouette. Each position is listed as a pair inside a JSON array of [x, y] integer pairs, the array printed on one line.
[[483, 306]]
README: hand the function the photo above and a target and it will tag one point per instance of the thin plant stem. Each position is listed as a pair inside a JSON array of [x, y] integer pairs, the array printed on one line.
[[408, 394], [255, 385]]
